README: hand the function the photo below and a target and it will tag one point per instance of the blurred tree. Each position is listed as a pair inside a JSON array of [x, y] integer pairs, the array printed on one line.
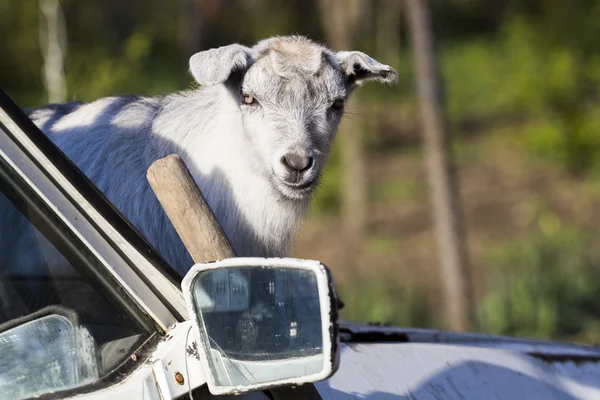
[[192, 21], [444, 193], [53, 41], [387, 35], [341, 21]]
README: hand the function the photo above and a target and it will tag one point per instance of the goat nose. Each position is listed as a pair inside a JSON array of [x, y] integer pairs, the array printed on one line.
[[295, 162]]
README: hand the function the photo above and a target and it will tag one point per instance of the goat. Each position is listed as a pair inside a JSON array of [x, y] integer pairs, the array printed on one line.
[[255, 135]]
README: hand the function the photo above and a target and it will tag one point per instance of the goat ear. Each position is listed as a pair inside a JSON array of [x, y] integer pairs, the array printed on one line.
[[358, 68], [215, 66]]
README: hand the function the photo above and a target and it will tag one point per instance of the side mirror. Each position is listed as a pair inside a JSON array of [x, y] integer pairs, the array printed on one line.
[[45, 351], [263, 322]]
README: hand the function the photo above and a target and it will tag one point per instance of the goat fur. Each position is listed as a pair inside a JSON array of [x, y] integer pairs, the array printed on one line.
[[232, 149]]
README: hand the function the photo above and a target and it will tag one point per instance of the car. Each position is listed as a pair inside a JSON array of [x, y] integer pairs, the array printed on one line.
[[92, 311]]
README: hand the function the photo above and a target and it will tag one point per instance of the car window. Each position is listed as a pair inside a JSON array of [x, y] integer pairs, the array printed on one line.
[[60, 326]]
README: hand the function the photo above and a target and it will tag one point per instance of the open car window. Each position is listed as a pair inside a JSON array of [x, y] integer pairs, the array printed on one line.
[[80, 292], [60, 325], [124, 253]]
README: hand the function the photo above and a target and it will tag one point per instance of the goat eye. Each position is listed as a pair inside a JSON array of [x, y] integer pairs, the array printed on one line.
[[338, 104], [249, 99]]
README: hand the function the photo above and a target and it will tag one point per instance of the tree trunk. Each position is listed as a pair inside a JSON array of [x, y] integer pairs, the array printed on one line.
[[340, 20], [53, 41], [443, 187], [387, 36], [192, 23]]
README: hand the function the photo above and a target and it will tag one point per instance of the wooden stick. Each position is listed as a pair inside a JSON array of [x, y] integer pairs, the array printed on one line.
[[188, 211]]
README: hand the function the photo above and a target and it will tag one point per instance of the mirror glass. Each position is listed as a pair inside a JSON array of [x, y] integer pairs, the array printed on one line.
[[260, 324], [45, 354]]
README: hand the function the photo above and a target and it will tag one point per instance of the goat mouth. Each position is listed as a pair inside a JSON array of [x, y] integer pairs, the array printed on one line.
[[301, 187], [297, 190]]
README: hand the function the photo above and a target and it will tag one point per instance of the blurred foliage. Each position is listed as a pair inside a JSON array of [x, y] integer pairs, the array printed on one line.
[[328, 199], [532, 66], [399, 190], [374, 298], [545, 285], [518, 76]]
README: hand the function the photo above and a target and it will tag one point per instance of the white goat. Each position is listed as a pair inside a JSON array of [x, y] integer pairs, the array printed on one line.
[[255, 135]]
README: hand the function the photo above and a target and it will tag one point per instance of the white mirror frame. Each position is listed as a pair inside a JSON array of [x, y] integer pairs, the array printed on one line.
[[327, 300]]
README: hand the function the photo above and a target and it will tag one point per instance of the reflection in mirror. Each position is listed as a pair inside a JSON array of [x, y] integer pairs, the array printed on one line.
[[46, 354], [262, 323]]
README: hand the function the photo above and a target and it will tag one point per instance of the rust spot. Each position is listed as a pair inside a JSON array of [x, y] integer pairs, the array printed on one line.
[[179, 378]]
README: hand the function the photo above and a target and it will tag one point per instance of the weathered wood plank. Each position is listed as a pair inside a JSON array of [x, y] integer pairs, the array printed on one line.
[[188, 210]]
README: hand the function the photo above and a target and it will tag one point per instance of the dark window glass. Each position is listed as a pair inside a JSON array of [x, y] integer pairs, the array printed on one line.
[[60, 327]]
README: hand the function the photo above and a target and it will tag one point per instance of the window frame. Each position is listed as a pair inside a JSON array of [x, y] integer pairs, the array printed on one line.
[[123, 252], [89, 267], [152, 285], [126, 264]]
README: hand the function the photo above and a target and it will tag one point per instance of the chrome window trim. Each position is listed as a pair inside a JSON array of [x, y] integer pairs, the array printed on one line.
[[37, 174]]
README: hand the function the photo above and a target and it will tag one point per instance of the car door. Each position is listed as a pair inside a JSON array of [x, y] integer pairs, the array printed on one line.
[[87, 306], [80, 292]]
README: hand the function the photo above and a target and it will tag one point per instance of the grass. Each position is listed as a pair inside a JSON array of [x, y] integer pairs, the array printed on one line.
[[544, 285]]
